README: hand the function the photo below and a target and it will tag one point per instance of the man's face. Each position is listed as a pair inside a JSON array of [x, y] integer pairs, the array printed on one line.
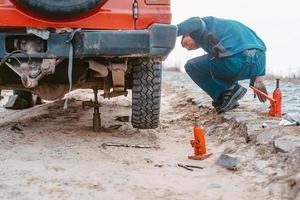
[[188, 43]]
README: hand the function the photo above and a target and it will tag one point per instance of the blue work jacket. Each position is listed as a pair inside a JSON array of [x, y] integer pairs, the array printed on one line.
[[220, 37]]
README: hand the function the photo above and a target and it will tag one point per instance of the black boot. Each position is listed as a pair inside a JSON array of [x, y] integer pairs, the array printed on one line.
[[215, 104], [230, 97]]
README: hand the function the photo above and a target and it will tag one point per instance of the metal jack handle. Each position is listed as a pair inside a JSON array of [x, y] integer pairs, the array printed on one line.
[[275, 101], [263, 94], [96, 114]]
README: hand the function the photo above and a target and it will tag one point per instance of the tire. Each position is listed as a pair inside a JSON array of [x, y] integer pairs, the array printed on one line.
[[24, 100], [146, 94], [59, 9], [25, 95]]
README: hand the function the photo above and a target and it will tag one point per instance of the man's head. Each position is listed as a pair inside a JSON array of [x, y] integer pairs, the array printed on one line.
[[191, 31], [188, 42]]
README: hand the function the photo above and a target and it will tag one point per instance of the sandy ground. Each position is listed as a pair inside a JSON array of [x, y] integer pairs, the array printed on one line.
[[53, 154]]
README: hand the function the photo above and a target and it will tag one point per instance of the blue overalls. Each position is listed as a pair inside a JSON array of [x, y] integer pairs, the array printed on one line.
[[235, 53]]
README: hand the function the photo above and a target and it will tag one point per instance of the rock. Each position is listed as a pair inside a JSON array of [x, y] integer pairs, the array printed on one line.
[[264, 125], [267, 137], [231, 163], [228, 117], [272, 123], [148, 160], [287, 143], [15, 127], [158, 165], [189, 100], [196, 101], [122, 118], [112, 127], [285, 122], [291, 119], [292, 182], [245, 116], [251, 128]]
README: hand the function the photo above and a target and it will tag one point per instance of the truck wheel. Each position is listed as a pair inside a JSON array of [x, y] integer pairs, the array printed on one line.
[[146, 92], [59, 9]]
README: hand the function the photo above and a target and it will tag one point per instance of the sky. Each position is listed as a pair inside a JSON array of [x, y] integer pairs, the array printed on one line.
[[277, 23]]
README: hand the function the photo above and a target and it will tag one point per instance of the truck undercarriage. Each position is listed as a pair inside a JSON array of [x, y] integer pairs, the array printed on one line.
[[54, 60]]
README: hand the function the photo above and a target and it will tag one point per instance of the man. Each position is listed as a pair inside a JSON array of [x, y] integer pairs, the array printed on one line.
[[234, 52]]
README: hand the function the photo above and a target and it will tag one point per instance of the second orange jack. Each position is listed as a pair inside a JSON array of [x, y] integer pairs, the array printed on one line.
[[198, 143]]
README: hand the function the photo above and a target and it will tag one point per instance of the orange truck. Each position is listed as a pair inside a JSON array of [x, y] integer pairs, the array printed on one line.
[[52, 47]]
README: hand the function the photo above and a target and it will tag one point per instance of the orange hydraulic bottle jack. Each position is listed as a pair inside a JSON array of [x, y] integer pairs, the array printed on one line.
[[199, 142], [276, 101]]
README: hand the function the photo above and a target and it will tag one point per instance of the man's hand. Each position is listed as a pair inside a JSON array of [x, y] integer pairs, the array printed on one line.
[[259, 84]]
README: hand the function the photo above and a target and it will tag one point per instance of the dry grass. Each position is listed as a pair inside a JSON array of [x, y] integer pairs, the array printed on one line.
[[294, 79]]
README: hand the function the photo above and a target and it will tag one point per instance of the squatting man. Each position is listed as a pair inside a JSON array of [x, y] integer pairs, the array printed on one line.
[[234, 52]]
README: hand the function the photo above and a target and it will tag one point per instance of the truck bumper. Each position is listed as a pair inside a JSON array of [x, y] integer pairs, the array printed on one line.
[[157, 41]]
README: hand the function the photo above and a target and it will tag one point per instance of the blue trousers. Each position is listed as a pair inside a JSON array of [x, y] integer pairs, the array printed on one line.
[[214, 75]]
